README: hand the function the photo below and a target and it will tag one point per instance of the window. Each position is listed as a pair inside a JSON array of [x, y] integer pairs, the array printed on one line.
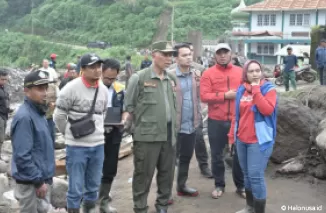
[[260, 20], [265, 49], [306, 20], [273, 20], [299, 19], [266, 20], [292, 19]]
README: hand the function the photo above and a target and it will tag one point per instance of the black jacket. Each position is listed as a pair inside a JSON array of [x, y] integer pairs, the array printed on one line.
[[4, 103]]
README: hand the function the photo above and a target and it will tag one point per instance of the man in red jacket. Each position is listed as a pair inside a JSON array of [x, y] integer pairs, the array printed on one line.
[[218, 87]]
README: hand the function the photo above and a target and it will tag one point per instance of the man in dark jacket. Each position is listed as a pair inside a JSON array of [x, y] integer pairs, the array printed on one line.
[[4, 106], [146, 62], [113, 133], [33, 162]]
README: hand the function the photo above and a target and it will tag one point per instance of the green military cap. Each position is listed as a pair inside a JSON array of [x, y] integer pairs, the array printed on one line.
[[162, 46]]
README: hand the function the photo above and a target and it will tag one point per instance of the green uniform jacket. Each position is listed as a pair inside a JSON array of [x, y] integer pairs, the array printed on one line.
[[145, 100]]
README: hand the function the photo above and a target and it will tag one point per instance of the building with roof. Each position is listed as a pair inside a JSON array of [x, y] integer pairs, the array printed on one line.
[[277, 23]]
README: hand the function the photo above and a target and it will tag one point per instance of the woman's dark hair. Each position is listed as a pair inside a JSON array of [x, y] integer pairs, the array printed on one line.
[[111, 63], [177, 47], [277, 66]]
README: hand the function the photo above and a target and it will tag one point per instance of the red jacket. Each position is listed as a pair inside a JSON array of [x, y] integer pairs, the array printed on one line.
[[213, 84]]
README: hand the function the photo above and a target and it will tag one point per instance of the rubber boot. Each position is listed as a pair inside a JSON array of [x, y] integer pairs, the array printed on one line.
[[259, 205], [104, 199], [182, 177], [73, 210], [250, 203], [89, 207]]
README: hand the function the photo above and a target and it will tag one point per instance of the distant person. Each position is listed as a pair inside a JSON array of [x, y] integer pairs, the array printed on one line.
[[146, 62], [277, 71], [51, 72], [128, 69], [33, 160], [71, 75], [4, 106], [70, 66], [53, 62], [78, 65], [320, 57], [290, 62]]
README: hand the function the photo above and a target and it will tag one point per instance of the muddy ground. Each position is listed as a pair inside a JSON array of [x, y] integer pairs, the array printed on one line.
[[302, 191]]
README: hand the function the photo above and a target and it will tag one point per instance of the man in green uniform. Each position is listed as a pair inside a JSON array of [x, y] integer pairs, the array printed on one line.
[[151, 103]]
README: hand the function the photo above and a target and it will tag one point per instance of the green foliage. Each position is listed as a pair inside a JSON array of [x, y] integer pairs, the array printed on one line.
[[21, 50]]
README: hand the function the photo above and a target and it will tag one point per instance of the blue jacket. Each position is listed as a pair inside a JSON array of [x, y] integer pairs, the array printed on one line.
[[33, 159], [265, 126], [320, 57]]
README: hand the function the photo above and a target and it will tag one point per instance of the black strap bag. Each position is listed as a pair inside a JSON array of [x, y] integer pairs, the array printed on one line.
[[85, 125]]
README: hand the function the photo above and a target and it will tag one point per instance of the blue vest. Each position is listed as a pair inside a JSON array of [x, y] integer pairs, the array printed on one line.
[[265, 126]]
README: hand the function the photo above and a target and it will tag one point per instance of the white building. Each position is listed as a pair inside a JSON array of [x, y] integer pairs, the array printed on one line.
[[284, 21]]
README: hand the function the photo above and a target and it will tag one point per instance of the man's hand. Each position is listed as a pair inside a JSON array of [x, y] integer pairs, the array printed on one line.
[[230, 95], [41, 192]]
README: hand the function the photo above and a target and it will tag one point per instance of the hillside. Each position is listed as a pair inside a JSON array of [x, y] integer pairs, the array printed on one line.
[[122, 22]]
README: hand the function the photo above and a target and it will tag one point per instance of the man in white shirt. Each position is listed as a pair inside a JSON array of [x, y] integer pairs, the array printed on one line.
[[113, 133], [52, 73]]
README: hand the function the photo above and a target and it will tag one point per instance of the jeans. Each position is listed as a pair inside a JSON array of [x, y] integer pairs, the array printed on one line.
[[322, 75], [84, 167], [218, 140], [111, 153], [289, 76], [200, 149], [253, 162]]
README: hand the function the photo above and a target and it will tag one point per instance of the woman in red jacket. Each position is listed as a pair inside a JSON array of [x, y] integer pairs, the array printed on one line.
[[253, 130]]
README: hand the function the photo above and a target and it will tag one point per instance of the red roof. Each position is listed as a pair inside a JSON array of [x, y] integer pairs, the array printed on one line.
[[258, 33], [287, 5]]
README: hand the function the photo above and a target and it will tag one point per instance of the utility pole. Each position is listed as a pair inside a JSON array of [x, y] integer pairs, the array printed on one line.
[[172, 26], [32, 6]]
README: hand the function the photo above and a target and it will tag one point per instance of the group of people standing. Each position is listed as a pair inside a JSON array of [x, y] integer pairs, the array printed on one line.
[[164, 103]]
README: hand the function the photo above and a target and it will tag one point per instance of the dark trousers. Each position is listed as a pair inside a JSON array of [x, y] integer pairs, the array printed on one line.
[[322, 75], [186, 145], [111, 155], [218, 140], [200, 149]]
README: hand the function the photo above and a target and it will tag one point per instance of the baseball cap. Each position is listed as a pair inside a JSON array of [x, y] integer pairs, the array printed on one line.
[[223, 46], [89, 59], [163, 46], [36, 78]]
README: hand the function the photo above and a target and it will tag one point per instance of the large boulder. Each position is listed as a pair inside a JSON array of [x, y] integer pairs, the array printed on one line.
[[295, 126], [58, 193]]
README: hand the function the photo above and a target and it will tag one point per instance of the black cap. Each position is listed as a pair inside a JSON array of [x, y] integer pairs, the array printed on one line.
[[90, 59], [36, 78]]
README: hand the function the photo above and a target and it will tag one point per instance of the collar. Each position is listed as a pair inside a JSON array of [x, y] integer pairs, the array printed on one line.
[[33, 105], [228, 66], [179, 73], [87, 84], [154, 75], [117, 87]]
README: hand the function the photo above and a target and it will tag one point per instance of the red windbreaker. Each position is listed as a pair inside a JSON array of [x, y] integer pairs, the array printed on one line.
[[214, 82]]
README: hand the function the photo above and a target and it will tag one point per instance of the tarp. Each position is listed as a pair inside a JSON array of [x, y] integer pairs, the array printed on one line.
[[258, 33], [298, 50]]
